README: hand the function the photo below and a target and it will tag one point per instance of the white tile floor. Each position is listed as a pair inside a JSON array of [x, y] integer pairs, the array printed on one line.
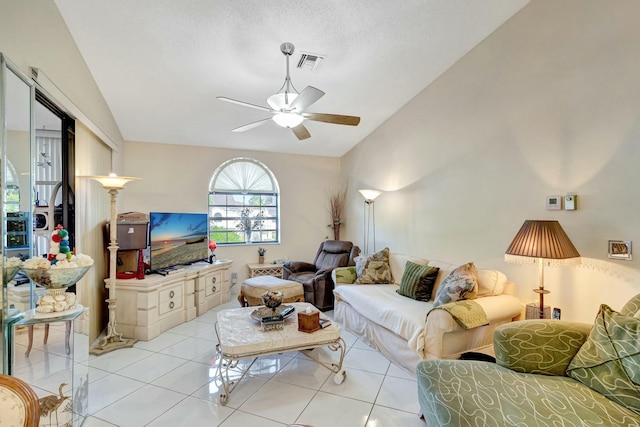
[[171, 381]]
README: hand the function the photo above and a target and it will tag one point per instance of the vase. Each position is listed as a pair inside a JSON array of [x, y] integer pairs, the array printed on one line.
[[260, 260], [336, 232]]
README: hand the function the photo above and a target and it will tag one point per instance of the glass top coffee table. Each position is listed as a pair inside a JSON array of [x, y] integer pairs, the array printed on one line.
[[242, 337]]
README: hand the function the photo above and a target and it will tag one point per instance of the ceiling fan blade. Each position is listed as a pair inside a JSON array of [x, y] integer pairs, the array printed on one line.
[[301, 132], [305, 98], [335, 119], [246, 104], [251, 125]]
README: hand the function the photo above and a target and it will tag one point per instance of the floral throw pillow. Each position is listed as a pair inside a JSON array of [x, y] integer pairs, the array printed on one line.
[[374, 268], [460, 284]]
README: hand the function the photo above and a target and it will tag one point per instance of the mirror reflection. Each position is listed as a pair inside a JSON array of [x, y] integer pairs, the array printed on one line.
[[16, 99]]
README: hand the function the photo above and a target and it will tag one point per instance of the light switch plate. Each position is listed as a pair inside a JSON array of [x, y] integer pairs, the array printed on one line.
[[570, 202]]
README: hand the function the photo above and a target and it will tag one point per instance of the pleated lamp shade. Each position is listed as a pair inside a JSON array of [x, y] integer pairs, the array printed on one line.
[[544, 240]]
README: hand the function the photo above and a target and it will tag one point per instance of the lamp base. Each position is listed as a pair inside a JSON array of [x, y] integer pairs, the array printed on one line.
[[112, 345], [533, 311]]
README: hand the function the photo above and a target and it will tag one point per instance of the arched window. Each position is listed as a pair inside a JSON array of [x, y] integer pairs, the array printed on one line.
[[244, 203]]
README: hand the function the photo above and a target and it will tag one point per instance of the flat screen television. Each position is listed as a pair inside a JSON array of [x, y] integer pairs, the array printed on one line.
[[177, 239]]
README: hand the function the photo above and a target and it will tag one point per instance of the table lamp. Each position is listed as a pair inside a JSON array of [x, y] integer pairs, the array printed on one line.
[[542, 243]]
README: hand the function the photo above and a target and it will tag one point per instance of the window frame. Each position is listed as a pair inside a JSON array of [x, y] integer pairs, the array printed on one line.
[[261, 204]]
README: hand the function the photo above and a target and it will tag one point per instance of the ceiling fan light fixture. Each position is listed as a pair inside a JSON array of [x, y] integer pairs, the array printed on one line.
[[288, 120], [278, 101]]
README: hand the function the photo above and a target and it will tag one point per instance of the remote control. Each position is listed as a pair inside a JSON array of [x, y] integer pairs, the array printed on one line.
[[287, 310]]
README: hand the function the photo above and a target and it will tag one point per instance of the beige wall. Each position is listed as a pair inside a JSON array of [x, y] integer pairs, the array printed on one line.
[[176, 179], [546, 105], [92, 212], [33, 34]]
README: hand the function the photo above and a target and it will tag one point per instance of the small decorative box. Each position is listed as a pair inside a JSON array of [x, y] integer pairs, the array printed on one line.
[[309, 322]]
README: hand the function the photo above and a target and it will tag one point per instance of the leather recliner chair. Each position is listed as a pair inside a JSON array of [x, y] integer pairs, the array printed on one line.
[[316, 277]]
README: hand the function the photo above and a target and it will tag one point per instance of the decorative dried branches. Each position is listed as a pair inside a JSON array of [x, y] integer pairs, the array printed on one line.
[[337, 201]]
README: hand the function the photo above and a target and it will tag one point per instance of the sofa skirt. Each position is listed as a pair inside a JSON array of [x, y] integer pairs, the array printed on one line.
[[392, 346]]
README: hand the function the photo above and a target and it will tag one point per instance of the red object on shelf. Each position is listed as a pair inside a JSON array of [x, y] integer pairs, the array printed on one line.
[[140, 272]]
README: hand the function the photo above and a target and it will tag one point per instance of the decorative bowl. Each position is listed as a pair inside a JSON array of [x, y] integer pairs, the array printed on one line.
[[272, 299], [9, 272], [56, 278], [11, 266]]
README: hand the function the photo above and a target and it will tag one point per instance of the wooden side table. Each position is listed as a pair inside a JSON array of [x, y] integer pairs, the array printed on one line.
[[256, 270]]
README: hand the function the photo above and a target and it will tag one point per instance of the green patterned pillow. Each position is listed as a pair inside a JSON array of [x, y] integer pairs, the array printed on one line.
[[346, 275], [609, 360], [461, 283], [417, 281], [374, 268]]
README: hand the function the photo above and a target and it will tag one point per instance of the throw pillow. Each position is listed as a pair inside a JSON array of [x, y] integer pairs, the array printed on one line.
[[417, 281], [345, 275], [609, 360], [361, 261], [375, 268], [490, 282], [461, 283]]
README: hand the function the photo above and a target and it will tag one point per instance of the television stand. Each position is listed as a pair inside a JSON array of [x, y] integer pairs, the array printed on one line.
[[157, 303], [168, 270]]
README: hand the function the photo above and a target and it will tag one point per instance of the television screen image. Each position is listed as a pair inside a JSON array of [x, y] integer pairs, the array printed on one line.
[[177, 238]]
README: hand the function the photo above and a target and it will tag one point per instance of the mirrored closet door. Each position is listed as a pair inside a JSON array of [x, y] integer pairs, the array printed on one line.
[[17, 96]]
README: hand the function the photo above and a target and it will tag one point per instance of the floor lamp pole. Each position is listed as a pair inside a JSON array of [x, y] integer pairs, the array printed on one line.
[[113, 340], [372, 208], [112, 334], [365, 227], [371, 224], [541, 291], [369, 218]]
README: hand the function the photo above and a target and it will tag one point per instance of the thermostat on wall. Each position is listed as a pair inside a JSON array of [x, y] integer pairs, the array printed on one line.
[[554, 203]]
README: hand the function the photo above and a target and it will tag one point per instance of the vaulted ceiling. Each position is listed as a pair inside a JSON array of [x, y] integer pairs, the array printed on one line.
[[160, 64]]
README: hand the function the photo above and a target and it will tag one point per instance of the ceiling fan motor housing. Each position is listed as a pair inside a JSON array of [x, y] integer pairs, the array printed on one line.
[[287, 48]]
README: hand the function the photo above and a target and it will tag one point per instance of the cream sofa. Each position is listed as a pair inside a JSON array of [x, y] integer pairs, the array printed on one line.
[[399, 327]]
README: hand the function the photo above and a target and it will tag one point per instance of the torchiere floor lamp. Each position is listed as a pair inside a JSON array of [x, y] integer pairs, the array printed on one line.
[[113, 340], [369, 218]]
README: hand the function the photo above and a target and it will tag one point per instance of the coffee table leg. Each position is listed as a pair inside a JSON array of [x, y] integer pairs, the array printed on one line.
[[341, 374], [229, 386]]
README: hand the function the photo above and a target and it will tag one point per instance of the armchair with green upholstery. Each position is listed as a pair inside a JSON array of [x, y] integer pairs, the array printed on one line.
[[547, 373]]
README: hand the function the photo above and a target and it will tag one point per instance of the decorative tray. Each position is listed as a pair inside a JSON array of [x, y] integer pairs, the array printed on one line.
[[266, 315]]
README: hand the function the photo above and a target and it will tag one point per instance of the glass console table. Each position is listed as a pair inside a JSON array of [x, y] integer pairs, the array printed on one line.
[[57, 369]]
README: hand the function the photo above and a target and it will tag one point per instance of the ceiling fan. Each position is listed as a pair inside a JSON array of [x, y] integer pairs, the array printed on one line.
[[288, 105]]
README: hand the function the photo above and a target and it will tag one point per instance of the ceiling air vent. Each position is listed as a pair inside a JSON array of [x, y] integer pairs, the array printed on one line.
[[310, 61]]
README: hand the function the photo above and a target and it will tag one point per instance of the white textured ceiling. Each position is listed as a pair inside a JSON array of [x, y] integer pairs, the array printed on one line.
[[161, 63]]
